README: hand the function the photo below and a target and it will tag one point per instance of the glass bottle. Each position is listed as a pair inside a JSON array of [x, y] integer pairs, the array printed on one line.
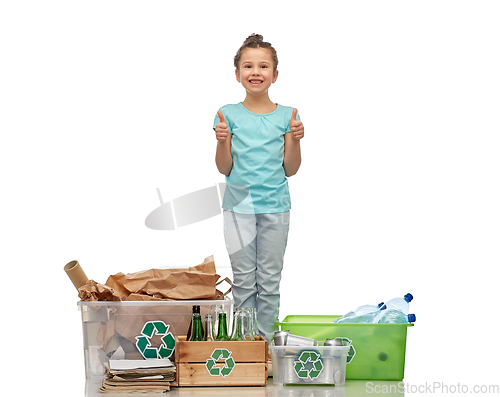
[[214, 311], [196, 310], [222, 332], [209, 329], [242, 324], [196, 328], [237, 333], [255, 328]]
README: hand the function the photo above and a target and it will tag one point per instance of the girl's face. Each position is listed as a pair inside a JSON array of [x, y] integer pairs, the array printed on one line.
[[256, 71]]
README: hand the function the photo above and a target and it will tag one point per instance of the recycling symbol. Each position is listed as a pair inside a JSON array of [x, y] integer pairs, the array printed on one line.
[[308, 364], [228, 363], [144, 344], [347, 342]]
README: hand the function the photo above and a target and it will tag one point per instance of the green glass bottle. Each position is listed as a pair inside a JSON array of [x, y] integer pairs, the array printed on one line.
[[196, 309], [222, 332], [196, 329]]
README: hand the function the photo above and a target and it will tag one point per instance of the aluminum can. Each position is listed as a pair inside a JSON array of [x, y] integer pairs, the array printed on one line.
[[280, 338], [295, 340], [333, 342]]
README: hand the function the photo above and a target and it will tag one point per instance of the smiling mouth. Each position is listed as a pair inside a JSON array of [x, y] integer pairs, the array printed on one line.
[[255, 81]]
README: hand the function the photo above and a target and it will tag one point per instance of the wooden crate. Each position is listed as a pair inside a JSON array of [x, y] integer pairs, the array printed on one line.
[[248, 366]]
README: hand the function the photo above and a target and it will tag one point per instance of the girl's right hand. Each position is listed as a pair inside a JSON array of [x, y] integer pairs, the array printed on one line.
[[221, 129]]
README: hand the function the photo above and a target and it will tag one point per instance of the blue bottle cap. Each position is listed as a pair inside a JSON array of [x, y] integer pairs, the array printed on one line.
[[411, 318], [408, 298]]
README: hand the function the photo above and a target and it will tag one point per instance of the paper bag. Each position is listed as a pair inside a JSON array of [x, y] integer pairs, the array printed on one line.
[[198, 282]]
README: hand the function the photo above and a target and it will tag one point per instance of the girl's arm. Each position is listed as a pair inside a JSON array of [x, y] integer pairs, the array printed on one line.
[[223, 158], [292, 158]]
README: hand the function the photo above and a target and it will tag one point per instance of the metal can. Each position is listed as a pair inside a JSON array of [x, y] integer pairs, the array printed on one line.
[[289, 375], [328, 369], [339, 378], [295, 340], [280, 338], [333, 342]]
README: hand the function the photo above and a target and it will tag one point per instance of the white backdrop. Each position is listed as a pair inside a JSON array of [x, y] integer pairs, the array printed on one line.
[[102, 102]]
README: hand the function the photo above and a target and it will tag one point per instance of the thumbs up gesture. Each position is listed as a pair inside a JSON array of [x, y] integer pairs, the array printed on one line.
[[296, 126], [221, 129]]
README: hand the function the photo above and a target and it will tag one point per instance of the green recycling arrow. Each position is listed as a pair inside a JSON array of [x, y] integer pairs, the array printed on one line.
[[161, 327], [229, 363], [299, 370], [347, 342], [169, 341], [214, 371], [308, 364], [148, 329], [143, 343]]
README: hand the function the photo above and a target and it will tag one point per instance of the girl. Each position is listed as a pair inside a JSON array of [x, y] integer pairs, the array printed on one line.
[[258, 147]]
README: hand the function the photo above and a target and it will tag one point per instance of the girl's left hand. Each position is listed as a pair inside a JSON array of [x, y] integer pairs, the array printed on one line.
[[296, 126]]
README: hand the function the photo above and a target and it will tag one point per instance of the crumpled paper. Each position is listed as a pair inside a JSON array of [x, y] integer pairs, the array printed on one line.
[[197, 282], [93, 291], [193, 283]]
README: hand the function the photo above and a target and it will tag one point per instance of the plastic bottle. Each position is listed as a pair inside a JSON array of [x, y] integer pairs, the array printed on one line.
[[369, 318], [196, 327], [395, 317], [222, 332], [365, 309], [401, 304], [360, 311]]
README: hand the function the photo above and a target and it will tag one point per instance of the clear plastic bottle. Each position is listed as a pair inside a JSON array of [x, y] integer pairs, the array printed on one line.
[[365, 309], [369, 318], [360, 311], [401, 304], [394, 317]]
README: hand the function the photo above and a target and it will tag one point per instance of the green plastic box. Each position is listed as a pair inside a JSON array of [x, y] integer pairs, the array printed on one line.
[[378, 350]]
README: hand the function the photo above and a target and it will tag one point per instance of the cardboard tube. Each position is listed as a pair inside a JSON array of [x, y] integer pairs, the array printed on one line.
[[76, 274]]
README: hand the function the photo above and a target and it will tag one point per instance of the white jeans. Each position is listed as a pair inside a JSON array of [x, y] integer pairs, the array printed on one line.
[[256, 245]]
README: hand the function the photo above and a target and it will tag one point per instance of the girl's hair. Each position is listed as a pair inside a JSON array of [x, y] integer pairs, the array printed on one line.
[[255, 41]]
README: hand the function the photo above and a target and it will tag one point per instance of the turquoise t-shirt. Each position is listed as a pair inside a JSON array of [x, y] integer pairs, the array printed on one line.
[[257, 183]]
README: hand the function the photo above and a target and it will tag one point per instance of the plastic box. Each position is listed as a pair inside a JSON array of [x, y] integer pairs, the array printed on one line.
[[378, 350], [136, 329], [309, 365]]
